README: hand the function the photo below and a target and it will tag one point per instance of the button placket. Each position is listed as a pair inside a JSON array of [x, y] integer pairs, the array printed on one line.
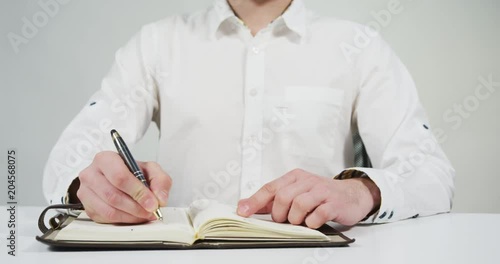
[[253, 119]]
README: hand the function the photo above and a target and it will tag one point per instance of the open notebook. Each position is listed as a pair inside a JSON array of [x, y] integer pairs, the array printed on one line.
[[204, 224]]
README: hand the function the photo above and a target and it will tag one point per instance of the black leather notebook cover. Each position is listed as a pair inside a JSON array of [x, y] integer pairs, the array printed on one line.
[[61, 220]]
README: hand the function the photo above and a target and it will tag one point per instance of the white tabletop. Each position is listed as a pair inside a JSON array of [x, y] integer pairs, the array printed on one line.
[[446, 238]]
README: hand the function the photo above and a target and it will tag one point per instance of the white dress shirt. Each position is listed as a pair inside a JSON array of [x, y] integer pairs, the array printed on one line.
[[237, 111]]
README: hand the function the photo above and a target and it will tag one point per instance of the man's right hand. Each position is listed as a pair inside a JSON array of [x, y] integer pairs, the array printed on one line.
[[110, 193]]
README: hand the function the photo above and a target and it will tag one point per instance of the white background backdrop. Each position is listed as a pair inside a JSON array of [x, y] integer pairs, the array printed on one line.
[[446, 45]]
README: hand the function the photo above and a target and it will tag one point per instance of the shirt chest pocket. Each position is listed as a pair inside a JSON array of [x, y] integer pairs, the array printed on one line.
[[314, 113]]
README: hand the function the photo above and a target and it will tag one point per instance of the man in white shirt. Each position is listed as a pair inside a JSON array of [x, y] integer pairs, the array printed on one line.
[[256, 102]]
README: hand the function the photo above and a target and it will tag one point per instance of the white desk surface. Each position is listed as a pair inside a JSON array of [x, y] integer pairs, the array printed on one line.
[[446, 238]]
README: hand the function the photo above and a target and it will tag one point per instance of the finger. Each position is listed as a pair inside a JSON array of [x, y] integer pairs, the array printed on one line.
[[264, 210], [116, 198], [303, 204], [264, 195], [101, 212], [117, 173], [159, 181], [322, 214], [285, 197]]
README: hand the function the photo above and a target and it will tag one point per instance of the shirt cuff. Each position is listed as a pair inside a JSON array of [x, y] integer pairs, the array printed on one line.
[[61, 196], [390, 197]]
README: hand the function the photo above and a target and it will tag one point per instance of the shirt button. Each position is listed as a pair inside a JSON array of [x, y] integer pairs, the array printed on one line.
[[252, 139], [253, 92], [382, 215], [252, 185], [255, 50]]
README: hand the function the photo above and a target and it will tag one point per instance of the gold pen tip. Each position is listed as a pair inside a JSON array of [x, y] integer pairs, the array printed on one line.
[[158, 215]]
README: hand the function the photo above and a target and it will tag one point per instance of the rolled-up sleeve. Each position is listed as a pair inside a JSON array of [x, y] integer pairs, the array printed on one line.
[[127, 101], [409, 167]]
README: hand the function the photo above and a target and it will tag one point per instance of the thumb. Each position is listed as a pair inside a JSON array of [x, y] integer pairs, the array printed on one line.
[[159, 181]]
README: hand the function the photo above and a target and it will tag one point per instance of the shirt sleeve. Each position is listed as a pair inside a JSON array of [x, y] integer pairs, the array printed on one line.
[[408, 165], [127, 101]]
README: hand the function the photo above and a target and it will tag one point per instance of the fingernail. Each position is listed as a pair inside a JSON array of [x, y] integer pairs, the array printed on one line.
[[150, 205], [243, 210]]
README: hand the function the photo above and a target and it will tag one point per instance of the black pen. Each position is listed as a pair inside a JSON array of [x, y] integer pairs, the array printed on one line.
[[131, 164]]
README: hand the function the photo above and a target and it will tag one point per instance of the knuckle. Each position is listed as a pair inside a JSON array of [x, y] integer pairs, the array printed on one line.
[[153, 165], [140, 194], [84, 176], [301, 204], [282, 198], [112, 197], [297, 171], [323, 213], [119, 178], [323, 190], [104, 158], [270, 188], [101, 156], [315, 178], [164, 180]]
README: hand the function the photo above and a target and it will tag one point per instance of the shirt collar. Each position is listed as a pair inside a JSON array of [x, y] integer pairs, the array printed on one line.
[[294, 17], [221, 12]]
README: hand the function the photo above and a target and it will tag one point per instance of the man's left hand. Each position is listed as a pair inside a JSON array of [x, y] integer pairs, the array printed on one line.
[[300, 196]]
